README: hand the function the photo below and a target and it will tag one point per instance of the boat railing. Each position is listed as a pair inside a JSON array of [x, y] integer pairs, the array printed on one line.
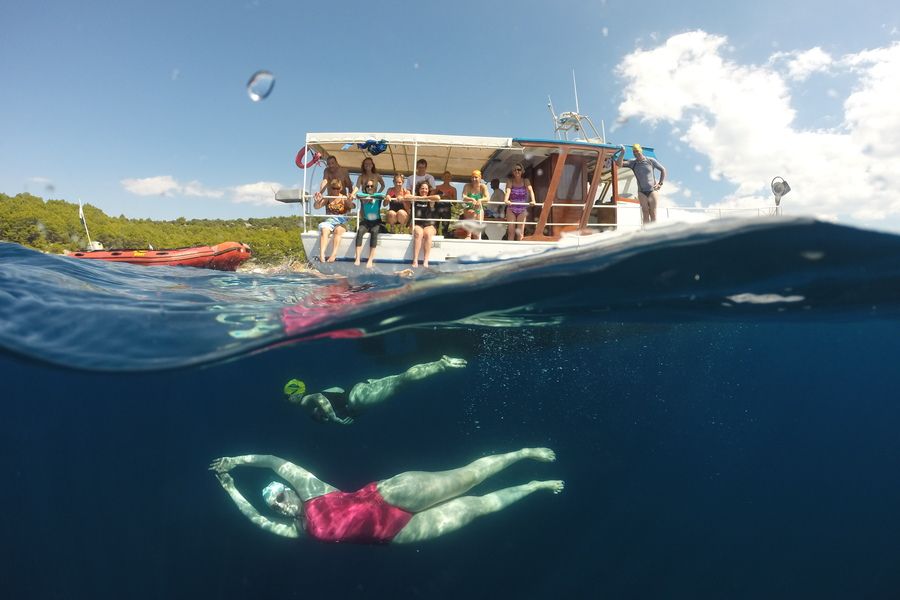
[[356, 215]]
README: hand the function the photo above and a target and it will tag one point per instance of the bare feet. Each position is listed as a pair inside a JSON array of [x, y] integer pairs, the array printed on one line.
[[555, 485], [425, 264], [332, 258], [415, 264], [453, 363], [356, 262], [370, 264], [541, 454]]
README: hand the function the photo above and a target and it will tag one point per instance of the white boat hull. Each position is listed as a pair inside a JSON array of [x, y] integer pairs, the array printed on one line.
[[395, 252]]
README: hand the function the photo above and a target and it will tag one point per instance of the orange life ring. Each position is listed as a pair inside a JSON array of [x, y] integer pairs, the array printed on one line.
[[305, 164]]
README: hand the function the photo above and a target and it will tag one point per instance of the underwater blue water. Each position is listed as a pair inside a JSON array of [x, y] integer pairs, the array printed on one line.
[[722, 401]]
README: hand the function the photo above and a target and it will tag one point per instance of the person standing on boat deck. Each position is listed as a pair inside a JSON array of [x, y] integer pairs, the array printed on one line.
[[423, 222], [518, 197], [337, 205], [334, 171], [398, 208], [368, 172], [371, 220], [474, 194], [421, 174], [643, 167], [334, 405], [407, 508], [497, 203], [443, 208]]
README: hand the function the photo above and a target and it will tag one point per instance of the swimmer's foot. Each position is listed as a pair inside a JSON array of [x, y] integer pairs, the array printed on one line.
[[370, 264], [453, 363], [555, 485], [356, 262], [541, 454], [332, 258], [415, 264]]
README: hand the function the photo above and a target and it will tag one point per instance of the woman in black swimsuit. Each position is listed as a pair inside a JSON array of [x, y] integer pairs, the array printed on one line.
[[423, 218]]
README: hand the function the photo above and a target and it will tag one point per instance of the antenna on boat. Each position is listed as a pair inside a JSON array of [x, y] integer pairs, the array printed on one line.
[[575, 87], [552, 112]]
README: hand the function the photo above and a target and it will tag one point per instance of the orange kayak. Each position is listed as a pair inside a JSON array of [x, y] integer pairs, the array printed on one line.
[[224, 257]]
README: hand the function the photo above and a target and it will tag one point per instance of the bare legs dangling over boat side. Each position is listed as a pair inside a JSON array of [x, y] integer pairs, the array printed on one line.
[[334, 405], [409, 507]]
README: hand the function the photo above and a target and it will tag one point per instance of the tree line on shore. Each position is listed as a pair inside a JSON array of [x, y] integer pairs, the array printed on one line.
[[54, 226]]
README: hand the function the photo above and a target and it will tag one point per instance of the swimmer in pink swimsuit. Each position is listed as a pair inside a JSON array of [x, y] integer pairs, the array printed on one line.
[[409, 507]]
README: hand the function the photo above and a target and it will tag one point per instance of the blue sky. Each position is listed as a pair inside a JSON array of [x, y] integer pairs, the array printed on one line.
[[141, 109]]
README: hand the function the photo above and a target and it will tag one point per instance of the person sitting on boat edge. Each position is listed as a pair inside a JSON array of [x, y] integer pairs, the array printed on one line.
[[443, 210], [410, 507], [334, 405], [474, 194], [423, 223], [398, 208], [368, 172], [337, 206], [371, 222], [518, 197], [643, 167], [335, 171]]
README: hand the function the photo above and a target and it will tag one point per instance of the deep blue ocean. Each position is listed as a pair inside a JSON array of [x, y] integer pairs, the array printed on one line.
[[722, 401]]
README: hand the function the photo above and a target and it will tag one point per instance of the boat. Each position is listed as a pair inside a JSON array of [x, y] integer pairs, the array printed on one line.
[[582, 195], [223, 257]]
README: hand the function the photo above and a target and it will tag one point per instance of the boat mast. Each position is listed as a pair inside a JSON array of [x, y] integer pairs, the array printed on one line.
[[84, 222]]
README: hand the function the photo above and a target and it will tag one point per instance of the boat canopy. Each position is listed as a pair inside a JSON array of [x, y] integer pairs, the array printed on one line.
[[458, 154]]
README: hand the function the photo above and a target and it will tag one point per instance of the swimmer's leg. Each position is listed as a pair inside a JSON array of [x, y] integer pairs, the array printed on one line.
[[459, 512], [376, 391], [416, 491]]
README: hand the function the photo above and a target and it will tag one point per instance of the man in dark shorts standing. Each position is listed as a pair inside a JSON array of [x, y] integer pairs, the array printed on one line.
[[643, 167]]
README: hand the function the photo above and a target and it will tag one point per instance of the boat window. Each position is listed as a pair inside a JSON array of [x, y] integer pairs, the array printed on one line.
[[571, 183]]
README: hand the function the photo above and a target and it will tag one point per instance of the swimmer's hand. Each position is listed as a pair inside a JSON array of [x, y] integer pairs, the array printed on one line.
[[453, 363], [222, 465], [344, 421], [226, 480]]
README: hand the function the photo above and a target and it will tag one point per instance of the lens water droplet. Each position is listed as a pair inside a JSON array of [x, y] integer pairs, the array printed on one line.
[[260, 85]]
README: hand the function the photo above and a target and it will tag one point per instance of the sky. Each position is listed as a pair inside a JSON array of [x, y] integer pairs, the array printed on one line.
[[141, 108]]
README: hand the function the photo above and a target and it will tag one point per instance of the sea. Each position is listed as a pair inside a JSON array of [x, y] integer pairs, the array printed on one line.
[[722, 400]]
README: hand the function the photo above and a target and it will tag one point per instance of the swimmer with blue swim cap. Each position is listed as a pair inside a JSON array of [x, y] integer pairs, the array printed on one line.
[[335, 405]]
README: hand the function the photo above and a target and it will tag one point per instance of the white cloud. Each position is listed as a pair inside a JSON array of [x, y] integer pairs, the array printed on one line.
[[742, 119], [166, 185], [800, 65], [261, 193]]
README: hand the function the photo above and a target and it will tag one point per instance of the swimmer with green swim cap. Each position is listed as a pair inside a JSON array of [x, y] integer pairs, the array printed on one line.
[[334, 405]]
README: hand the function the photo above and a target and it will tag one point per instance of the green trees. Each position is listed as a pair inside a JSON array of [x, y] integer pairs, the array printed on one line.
[[53, 226]]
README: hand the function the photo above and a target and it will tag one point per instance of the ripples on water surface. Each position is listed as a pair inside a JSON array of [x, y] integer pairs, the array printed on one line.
[[721, 400]]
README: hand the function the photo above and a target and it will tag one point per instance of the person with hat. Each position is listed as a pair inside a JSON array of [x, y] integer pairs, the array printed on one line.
[[643, 167], [407, 508], [335, 405]]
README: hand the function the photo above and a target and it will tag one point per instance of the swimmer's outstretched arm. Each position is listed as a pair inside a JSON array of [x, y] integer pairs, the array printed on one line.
[[304, 483], [251, 513], [322, 410]]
